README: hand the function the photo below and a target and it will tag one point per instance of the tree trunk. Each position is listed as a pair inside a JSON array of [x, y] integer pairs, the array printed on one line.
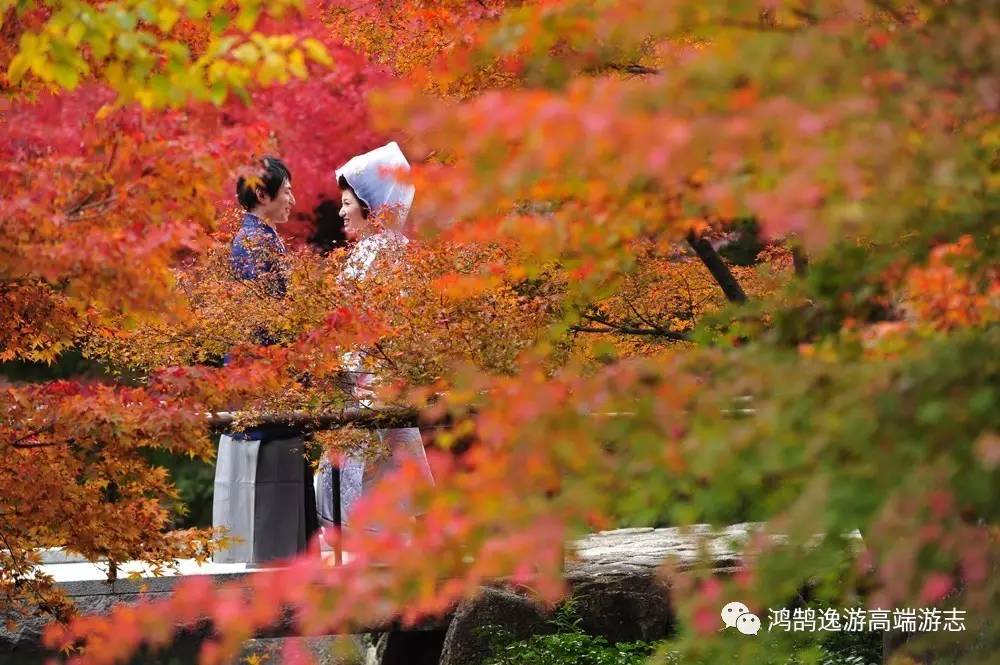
[[800, 261], [720, 271]]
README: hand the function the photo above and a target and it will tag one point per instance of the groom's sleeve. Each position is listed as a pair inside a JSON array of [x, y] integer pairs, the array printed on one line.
[[251, 256], [241, 262], [259, 258]]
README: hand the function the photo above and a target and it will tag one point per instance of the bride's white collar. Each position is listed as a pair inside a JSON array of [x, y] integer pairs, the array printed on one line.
[[367, 250]]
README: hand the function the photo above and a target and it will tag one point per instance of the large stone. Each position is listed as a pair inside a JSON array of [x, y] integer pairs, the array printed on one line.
[[624, 608], [408, 648], [469, 641], [640, 551], [614, 578]]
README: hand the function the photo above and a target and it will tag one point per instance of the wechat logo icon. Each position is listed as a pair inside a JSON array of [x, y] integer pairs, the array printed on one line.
[[738, 616]]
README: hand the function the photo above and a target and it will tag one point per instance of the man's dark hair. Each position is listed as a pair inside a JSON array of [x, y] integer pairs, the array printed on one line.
[[346, 187], [273, 174]]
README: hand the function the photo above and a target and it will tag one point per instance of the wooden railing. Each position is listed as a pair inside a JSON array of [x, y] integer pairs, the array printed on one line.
[[364, 417]]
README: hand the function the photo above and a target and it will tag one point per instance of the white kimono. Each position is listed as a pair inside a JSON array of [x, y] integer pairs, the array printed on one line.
[[367, 175]]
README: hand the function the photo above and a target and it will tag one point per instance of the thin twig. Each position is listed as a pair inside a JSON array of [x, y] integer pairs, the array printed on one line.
[[891, 10], [42, 602], [639, 316], [758, 27], [385, 356], [632, 68], [806, 15]]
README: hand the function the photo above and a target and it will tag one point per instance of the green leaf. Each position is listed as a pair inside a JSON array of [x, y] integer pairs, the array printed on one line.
[[247, 53], [167, 17], [16, 69], [218, 93], [246, 19], [99, 45], [145, 12], [160, 85], [220, 22], [316, 51], [75, 33], [66, 76], [297, 64], [125, 19], [196, 9], [127, 43], [177, 51]]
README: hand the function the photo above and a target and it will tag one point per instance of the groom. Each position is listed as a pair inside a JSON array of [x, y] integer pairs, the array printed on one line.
[[257, 250], [263, 482]]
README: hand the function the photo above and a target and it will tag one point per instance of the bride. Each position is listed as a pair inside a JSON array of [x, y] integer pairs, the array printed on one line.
[[374, 209]]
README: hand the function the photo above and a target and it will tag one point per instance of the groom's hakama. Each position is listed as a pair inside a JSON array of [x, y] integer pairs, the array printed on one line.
[[264, 497]]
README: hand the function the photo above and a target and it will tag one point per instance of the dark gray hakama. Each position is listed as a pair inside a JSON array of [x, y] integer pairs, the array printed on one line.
[[264, 496], [284, 518]]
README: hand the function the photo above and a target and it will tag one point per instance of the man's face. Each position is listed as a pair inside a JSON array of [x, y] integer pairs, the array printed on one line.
[[278, 209]]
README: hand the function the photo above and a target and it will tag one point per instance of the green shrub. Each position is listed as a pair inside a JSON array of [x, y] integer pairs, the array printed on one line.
[[570, 645], [565, 648]]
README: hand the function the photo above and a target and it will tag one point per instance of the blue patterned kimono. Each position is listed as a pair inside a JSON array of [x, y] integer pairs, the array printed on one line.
[[263, 482], [258, 254]]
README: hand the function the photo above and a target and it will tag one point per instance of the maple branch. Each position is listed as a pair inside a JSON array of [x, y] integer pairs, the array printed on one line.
[[357, 8], [20, 442], [29, 446], [105, 204], [255, 286], [172, 340], [87, 203], [112, 156], [613, 327], [720, 271], [72, 210], [365, 417], [629, 330]]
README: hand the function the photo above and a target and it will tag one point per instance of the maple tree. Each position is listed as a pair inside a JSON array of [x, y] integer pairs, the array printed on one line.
[[568, 211], [156, 52], [410, 36], [103, 199]]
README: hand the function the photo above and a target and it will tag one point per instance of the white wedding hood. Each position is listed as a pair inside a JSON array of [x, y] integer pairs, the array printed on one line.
[[370, 176]]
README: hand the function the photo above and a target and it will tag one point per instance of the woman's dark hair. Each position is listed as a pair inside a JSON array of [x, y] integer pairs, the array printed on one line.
[[273, 174], [346, 187]]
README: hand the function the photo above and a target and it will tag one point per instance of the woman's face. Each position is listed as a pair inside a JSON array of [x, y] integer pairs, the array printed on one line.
[[350, 212]]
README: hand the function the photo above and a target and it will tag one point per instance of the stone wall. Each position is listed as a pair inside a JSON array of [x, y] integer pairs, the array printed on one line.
[[612, 574]]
